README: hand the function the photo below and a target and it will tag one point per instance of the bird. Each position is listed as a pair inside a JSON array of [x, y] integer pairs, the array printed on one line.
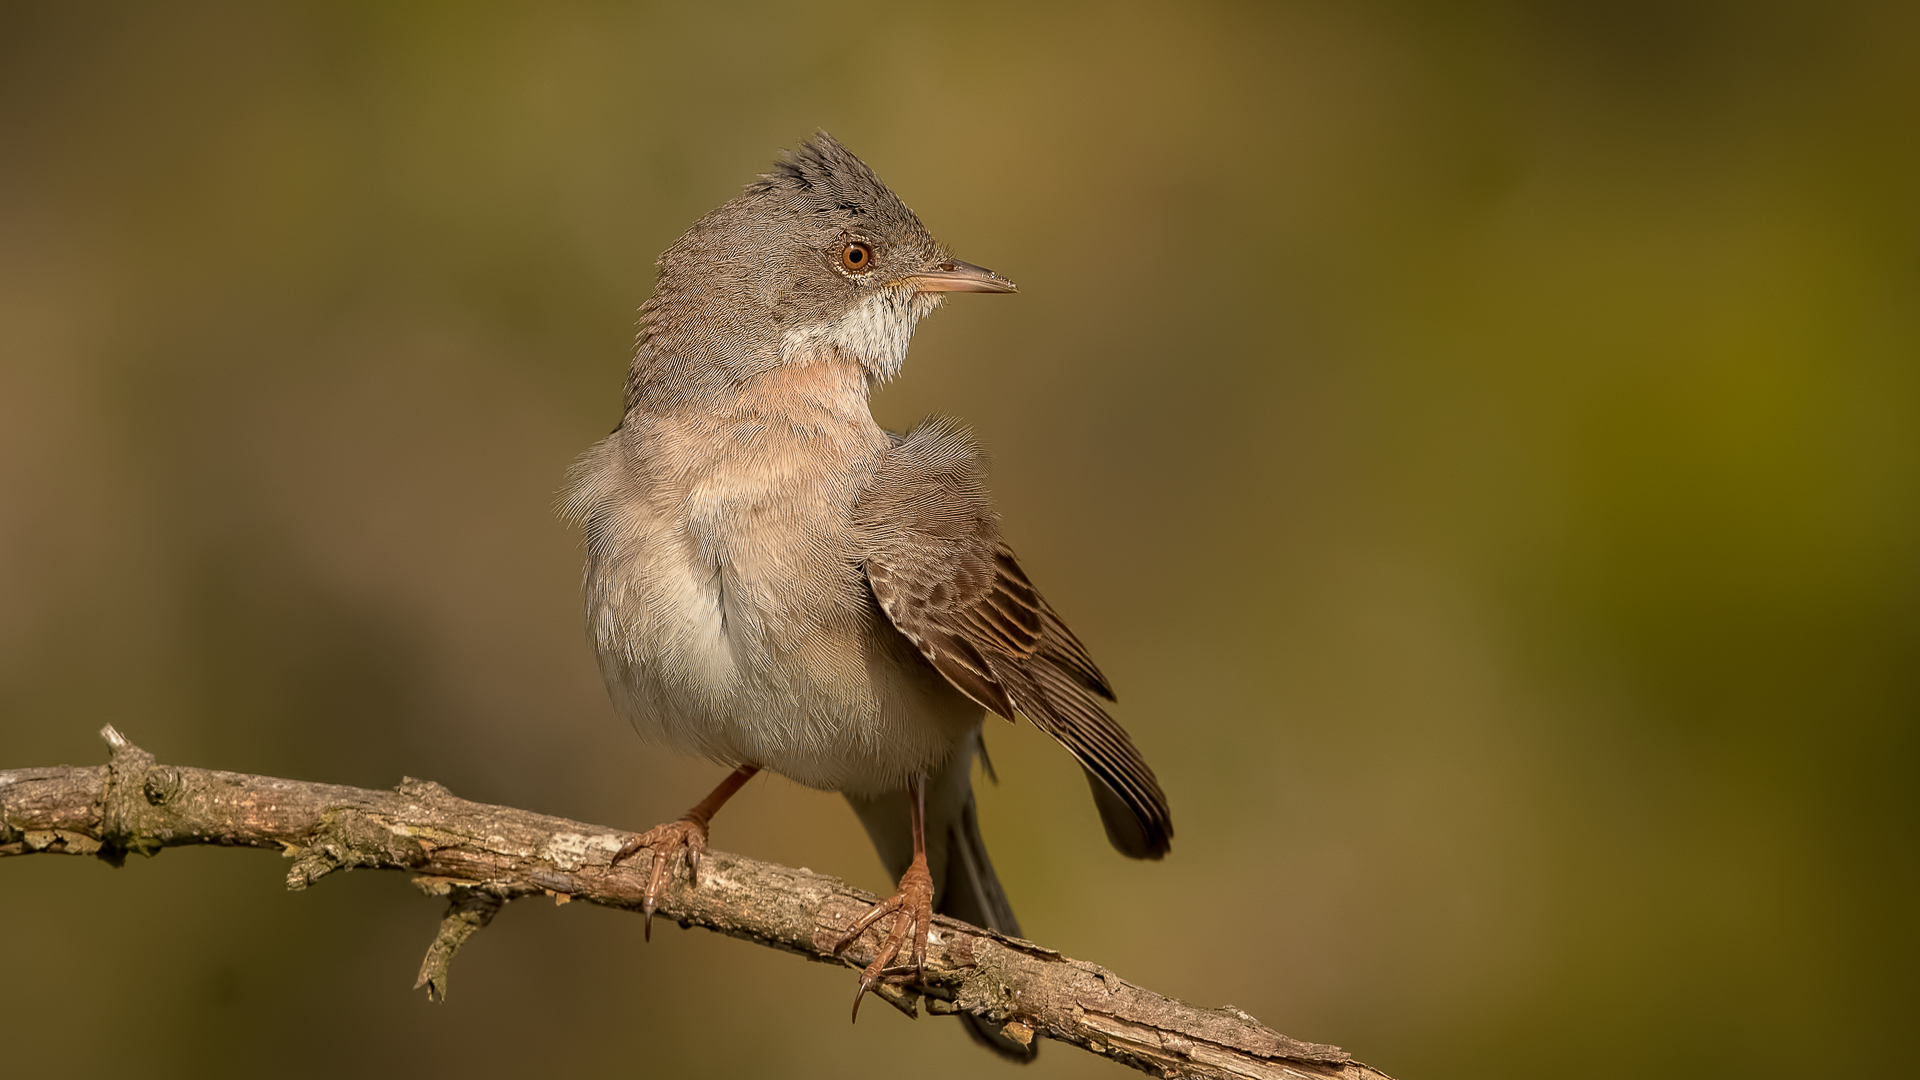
[[775, 582]]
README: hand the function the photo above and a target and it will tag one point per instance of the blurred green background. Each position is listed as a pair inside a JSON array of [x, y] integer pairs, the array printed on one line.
[[1479, 440]]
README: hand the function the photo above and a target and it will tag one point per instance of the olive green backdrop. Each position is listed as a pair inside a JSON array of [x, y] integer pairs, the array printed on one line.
[[1479, 440]]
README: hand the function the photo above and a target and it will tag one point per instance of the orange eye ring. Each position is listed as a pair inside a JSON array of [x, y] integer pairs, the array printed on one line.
[[856, 257]]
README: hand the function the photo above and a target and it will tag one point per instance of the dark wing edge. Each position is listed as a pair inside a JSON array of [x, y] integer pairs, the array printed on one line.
[[946, 581], [1132, 807]]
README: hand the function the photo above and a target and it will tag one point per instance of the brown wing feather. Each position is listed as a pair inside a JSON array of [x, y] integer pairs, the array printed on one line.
[[940, 571]]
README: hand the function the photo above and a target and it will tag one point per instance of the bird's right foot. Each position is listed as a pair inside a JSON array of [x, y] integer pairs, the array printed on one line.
[[689, 833]]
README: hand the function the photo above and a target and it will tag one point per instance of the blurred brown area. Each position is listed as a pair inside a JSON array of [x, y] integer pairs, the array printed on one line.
[[1479, 440]]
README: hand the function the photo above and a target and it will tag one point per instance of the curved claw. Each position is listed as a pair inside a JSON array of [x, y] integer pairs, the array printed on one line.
[[649, 901], [867, 979]]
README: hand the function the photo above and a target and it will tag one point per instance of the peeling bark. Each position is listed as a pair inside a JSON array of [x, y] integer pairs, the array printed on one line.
[[481, 856]]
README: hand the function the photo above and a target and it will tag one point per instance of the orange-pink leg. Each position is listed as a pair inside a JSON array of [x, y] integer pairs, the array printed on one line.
[[913, 903]]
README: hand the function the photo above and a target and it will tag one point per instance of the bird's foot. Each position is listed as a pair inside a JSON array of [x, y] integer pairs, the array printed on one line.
[[913, 907], [689, 833]]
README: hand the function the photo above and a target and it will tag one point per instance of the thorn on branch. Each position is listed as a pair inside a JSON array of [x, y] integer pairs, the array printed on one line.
[[124, 801], [471, 909]]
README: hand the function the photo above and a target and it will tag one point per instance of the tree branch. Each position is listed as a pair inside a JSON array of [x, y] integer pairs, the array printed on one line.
[[481, 856]]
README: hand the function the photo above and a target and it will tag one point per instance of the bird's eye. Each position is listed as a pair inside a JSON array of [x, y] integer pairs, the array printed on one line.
[[856, 257]]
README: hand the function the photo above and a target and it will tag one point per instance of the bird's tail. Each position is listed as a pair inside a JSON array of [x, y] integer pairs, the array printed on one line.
[[973, 894]]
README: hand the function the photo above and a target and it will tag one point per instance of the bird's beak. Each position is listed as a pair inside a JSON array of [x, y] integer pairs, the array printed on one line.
[[952, 275]]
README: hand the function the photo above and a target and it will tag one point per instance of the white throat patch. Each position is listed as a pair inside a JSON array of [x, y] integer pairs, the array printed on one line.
[[876, 333]]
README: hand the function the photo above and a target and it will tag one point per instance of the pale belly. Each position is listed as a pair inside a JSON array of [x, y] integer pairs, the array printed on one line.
[[747, 672], [733, 621]]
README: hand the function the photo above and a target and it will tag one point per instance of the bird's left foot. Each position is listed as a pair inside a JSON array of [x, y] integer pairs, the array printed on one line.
[[913, 906]]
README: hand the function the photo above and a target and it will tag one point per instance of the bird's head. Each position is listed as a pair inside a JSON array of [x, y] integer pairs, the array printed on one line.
[[817, 259]]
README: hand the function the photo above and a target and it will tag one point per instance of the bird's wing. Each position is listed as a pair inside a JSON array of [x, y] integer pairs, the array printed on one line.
[[931, 544]]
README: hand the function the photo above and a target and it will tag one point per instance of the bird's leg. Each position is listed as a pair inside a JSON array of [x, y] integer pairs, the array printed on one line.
[[689, 832], [913, 903]]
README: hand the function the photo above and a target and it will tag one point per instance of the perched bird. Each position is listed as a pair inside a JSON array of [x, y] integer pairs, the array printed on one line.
[[773, 581]]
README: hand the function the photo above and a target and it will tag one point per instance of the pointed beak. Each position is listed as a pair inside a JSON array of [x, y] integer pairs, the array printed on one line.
[[952, 275]]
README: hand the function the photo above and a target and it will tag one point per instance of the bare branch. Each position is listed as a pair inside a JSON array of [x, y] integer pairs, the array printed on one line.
[[481, 856]]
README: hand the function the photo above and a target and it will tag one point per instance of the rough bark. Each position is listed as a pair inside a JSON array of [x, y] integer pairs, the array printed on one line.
[[480, 856]]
